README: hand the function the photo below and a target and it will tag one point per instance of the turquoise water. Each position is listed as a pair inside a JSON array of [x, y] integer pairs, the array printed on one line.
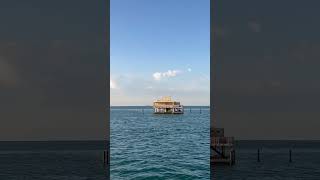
[[155, 146], [177, 152]]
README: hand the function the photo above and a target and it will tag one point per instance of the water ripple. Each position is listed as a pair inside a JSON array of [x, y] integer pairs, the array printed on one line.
[[149, 146]]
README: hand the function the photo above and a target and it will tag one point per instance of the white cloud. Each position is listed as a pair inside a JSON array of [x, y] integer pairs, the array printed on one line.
[[113, 84], [157, 76], [170, 73], [141, 90]]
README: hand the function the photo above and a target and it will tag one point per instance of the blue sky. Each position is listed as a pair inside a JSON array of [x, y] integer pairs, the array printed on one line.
[[160, 48]]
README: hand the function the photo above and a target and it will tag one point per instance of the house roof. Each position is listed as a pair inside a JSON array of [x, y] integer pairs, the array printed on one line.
[[165, 99]]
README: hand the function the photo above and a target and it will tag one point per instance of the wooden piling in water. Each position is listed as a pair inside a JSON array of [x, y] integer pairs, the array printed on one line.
[[200, 110], [104, 157], [232, 157], [290, 159], [222, 148], [258, 154], [108, 157]]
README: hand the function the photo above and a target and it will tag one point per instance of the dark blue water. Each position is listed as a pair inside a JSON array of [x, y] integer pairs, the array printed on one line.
[[274, 161], [156, 146], [52, 160]]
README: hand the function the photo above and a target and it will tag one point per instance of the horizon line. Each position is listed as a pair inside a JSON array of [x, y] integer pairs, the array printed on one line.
[[152, 105]]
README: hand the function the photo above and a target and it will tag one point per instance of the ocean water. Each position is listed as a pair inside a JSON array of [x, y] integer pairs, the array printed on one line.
[[149, 146], [274, 161], [52, 160], [157, 146]]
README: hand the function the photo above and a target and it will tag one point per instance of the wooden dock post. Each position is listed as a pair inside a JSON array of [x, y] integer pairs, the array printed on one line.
[[230, 158], [104, 157], [221, 147], [142, 111], [233, 157], [258, 158], [108, 157], [190, 109], [200, 110], [290, 159]]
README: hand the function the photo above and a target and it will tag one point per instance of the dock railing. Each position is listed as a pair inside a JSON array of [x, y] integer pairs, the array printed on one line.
[[222, 141], [167, 106]]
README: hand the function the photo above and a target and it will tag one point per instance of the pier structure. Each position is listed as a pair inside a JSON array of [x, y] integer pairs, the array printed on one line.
[[166, 105], [221, 147]]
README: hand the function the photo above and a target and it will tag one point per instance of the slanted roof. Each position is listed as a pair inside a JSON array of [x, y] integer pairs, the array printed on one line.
[[165, 99]]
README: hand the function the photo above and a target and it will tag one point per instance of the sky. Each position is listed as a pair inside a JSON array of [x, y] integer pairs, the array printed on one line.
[[267, 55], [52, 70], [53, 64], [159, 48]]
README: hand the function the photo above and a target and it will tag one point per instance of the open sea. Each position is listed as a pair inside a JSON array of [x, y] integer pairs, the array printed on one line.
[[159, 146], [149, 146]]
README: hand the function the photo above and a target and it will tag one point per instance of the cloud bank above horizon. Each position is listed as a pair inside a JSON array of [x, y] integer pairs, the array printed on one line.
[[141, 90]]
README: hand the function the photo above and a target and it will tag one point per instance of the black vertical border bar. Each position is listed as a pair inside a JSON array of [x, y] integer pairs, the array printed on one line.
[[212, 82], [107, 104]]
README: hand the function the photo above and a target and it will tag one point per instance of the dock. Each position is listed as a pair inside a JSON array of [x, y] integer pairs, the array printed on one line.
[[221, 147]]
